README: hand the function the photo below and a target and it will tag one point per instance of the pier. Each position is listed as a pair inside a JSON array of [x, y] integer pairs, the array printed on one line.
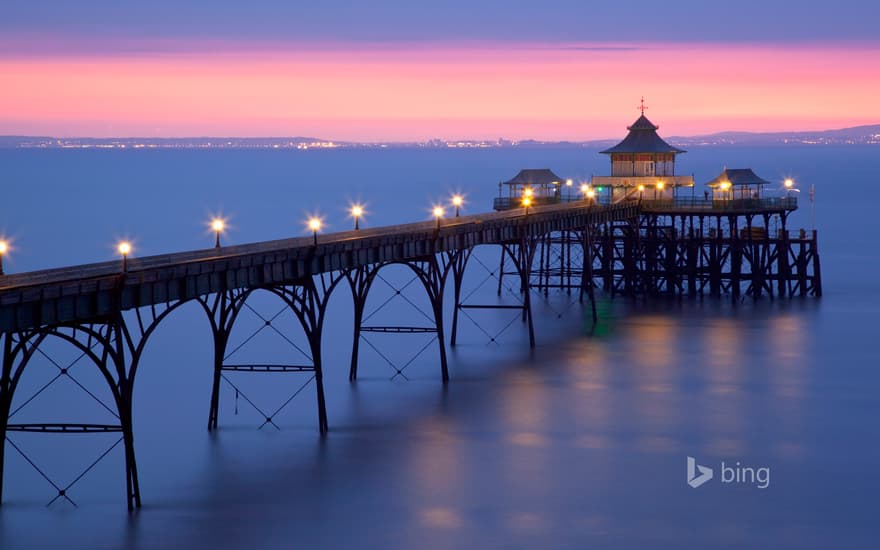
[[640, 232], [107, 311]]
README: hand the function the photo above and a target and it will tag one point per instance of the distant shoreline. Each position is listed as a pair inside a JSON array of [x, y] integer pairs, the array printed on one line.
[[859, 135]]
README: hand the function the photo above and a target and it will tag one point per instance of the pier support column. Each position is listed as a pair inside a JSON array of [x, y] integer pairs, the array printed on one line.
[[587, 271], [222, 309], [458, 265], [111, 345], [432, 271]]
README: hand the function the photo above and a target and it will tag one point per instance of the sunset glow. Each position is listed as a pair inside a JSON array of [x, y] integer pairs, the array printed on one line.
[[580, 91]]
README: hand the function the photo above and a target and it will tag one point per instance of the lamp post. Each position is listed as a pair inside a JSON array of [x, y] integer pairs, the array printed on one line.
[[438, 213], [569, 183], [725, 186], [217, 225], [591, 196], [4, 247], [584, 190], [527, 202], [641, 189], [315, 226], [124, 249], [659, 187], [457, 201], [356, 212], [789, 185]]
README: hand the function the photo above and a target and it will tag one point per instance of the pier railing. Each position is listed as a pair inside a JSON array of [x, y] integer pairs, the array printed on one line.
[[722, 205]]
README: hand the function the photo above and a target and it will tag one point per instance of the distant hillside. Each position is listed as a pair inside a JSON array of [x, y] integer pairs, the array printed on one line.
[[858, 135]]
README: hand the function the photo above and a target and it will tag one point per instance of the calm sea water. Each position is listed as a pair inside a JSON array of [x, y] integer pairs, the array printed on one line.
[[581, 442]]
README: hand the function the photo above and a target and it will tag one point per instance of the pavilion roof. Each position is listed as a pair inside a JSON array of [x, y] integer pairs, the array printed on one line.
[[535, 176], [737, 176], [642, 138]]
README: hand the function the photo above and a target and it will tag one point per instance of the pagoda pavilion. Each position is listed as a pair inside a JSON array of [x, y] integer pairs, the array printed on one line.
[[642, 166]]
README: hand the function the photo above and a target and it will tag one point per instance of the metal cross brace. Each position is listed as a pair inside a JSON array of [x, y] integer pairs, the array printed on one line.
[[62, 491], [63, 372]]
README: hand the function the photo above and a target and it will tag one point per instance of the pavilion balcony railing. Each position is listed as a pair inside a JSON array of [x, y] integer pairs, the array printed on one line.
[[509, 203], [682, 203], [723, 205]]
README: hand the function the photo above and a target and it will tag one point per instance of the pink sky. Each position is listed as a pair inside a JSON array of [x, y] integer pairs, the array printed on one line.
[[523, 91]]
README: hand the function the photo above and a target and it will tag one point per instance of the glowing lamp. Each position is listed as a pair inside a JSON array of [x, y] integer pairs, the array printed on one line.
[[217, 226], [641, 188], [4, 247], [789, 183], [660, 185], [315, 226], [356, 212], [528, 192], [438, 213], [457, 201], [569, 183], [124, 249]]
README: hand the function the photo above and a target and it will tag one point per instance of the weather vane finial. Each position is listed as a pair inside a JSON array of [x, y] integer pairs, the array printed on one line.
[[642, 106]]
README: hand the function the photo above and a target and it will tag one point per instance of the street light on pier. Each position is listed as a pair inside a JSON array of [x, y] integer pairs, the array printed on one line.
[[315, 226], [725, 186], [789, 185], [591, 195], [584, 190], [4, 248], [641, 191], [569, 183], [527, 202], [438, 213], [124, 249], [457, 201], [218, 225], [356, 212], [659, 187]]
